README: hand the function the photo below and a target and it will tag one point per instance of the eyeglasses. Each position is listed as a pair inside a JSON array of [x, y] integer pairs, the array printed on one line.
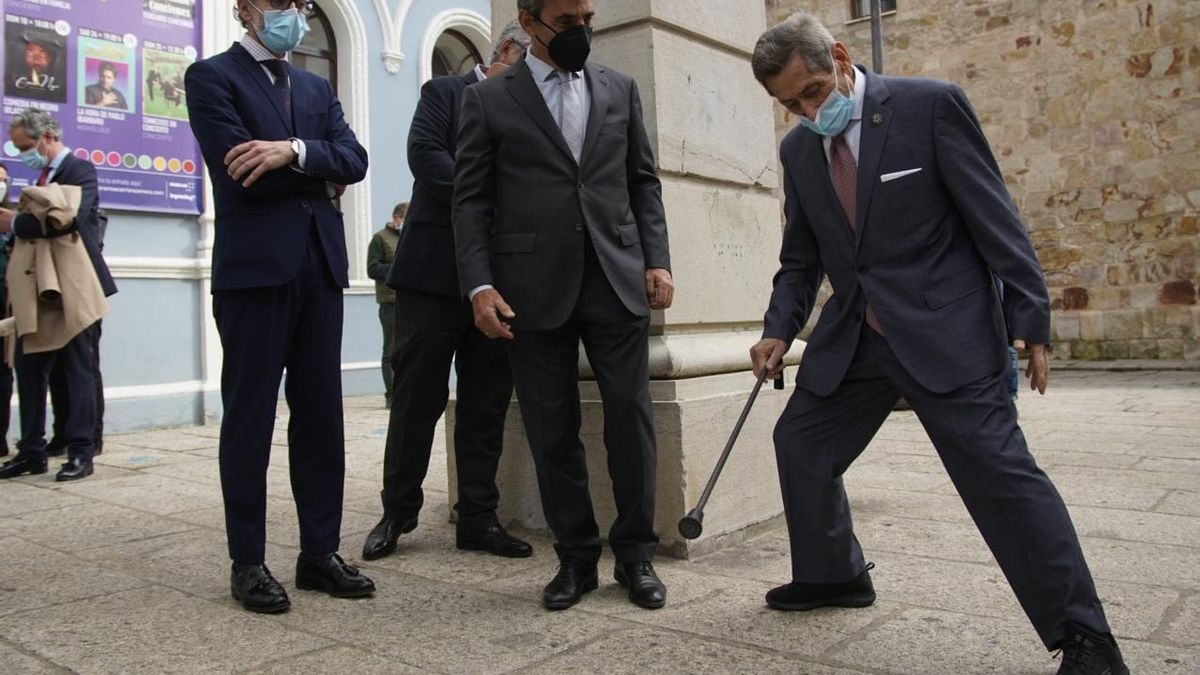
[[306, 7]]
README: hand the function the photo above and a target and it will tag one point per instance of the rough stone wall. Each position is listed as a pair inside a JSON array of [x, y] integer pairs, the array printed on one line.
[[1093, 110]]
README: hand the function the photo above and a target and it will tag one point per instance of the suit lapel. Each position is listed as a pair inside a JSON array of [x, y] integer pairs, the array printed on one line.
[[522, 88], [255, 71], [597, 82], [873, 133]]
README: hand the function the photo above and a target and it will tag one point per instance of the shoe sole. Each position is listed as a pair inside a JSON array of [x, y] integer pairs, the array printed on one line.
[[473, 546], [391, 547], [261, 609], [857, 600], [588, 587], [314, 585], [619, 577]]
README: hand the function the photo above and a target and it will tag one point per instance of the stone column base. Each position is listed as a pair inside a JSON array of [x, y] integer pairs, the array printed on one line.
[[693, 419]]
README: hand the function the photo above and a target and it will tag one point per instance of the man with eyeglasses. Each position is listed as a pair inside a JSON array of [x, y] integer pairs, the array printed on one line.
[[278, 151]]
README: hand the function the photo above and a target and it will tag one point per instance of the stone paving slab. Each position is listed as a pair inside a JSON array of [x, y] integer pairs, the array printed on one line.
[[127, 571]]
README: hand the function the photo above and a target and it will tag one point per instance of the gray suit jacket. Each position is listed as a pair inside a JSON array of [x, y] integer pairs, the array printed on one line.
[[522, 204], [923, 251]]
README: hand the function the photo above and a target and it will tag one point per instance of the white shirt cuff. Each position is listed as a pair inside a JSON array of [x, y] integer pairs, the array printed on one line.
[[477, 290]]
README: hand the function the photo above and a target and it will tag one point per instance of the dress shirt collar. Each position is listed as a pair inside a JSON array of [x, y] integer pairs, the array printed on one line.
[[540, 69], [480, 73], [257, 51], [859, 93]]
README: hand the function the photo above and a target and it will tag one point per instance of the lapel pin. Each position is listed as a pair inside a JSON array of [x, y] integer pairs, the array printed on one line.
[[876, 119]]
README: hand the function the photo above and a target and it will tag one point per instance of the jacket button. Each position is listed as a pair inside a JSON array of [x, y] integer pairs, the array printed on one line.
[[863, 269], [581, 186], [579, 227], [304, 203]]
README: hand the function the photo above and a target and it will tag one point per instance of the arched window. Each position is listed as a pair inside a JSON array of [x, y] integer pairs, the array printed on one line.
[[318, 52], [454, 54]]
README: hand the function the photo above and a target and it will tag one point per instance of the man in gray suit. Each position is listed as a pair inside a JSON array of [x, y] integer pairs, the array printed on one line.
[[560, 234], [892, 191]]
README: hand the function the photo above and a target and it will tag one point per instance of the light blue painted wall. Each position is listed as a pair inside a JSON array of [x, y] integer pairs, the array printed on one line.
[[152, 333]]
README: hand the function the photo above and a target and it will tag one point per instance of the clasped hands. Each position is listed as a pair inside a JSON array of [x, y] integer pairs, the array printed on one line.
[[493, 315], [248, 161]]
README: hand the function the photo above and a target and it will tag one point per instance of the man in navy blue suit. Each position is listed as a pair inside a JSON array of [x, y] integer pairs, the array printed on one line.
[[891, 191], [38, 137], [278, 151], [434, 327]]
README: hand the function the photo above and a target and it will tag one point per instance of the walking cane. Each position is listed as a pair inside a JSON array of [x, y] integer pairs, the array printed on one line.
[[691, 525]]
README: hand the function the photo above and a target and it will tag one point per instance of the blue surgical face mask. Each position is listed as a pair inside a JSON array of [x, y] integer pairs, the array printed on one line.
[[282, 29], [34, 159], [834, 114], [3, 190]]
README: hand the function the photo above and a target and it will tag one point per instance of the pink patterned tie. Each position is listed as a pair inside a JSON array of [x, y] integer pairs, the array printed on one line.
[[844, 173]]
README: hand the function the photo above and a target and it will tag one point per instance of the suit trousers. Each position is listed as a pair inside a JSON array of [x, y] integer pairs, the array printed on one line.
[[297, 326], [59, 396], [545, 367], [974, 429], [33, 379], [431, 331]]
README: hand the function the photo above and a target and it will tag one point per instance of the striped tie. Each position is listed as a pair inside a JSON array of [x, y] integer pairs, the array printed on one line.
[[571, 116]]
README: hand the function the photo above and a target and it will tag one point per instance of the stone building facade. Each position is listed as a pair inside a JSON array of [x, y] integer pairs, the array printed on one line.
[[1093, 111]]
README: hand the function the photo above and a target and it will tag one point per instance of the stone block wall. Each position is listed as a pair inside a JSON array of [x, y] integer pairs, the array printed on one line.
[[1093, 111]]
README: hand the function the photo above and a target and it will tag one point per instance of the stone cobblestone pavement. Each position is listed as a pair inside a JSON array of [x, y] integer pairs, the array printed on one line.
[[127, 571]]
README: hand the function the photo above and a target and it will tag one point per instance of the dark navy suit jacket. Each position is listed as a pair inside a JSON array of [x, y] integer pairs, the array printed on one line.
[[923, 251], [262, 231], [75, 171], [425, 258]]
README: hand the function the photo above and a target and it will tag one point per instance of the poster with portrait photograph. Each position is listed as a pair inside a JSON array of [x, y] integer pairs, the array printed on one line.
[[111, 73]]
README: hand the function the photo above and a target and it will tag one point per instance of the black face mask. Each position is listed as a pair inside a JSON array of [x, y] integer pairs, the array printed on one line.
[[571, 47]]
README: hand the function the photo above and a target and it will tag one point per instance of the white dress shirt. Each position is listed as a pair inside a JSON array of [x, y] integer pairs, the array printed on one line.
[[260, 54], [853, 130]]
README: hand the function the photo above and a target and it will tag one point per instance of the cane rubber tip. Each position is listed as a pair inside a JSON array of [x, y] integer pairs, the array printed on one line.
[[690, 527]]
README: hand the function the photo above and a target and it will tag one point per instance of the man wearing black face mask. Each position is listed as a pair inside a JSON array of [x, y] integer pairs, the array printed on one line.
[[559, 227]]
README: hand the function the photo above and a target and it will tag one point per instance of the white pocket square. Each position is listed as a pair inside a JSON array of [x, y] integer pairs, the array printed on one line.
[[897, 174]]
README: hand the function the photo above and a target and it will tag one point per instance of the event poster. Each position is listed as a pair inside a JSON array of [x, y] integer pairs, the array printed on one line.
[[111, 72]]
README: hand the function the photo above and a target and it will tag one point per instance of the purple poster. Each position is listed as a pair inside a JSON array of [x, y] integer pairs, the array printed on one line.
[[111, 72]]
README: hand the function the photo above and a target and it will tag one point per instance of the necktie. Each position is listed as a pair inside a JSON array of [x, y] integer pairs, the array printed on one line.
[[843, 170], [283, 86], [44, 175], [571, 116]]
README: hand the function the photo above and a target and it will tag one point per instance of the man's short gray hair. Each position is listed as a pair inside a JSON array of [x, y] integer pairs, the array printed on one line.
[[512, 31], [801, 34], [534, 7], [36, 122]]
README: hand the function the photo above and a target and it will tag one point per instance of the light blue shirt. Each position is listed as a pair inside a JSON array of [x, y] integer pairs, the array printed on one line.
[[549, 82]]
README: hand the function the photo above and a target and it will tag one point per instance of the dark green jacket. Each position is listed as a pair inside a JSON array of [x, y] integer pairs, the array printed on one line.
[[380, 253]]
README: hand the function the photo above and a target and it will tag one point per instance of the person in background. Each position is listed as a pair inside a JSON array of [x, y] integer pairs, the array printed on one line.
[[380, 253], [436, 328]]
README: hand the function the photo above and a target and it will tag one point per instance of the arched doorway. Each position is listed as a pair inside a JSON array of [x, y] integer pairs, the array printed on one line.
[[318, 52]]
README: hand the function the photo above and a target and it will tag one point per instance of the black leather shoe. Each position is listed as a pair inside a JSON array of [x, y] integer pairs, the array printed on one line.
[[330, 574], [257, 590], [381, 541], [574, 578], [645, 588], [74, 469], [1088, 653], [492, 539], [56, 447], [858, 592], [19, 466]]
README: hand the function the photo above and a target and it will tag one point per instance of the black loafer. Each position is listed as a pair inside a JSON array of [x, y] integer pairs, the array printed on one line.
[[492, 539], [257, 590], [19, 466], [74, 469], [574, 578], [645, 588], [330, 574], [793, 597], [381, 541]]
